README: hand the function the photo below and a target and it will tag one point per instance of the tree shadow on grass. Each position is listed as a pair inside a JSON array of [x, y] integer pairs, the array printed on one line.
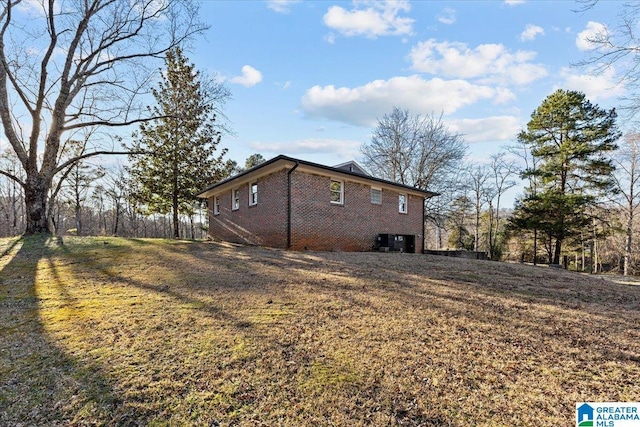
[[108, 269], [9, 248], [40, 382], [473, 299]]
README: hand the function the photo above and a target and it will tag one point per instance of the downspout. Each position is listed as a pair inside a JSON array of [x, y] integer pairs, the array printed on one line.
[[289, 203]]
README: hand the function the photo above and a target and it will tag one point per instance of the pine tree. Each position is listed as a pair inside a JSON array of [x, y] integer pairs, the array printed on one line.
[[179, 147], [571, 139]]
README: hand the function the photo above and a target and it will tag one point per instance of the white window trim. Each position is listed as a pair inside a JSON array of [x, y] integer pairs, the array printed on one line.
[[235, 206], [341, 202], [251, 202], [216, 205], [406, 203], [376, 189]]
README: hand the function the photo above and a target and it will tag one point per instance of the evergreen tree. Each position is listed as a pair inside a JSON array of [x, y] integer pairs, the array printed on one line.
[[180, 146], [570, 138], [254, 160]]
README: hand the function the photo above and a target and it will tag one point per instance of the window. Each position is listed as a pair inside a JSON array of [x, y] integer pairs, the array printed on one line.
[[253, 193], [216, 205], [337, 192], [402, 203], [376, 196], [235, 200]]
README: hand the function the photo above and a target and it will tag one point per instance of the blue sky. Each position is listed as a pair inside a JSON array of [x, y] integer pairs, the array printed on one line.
[[310, 78]]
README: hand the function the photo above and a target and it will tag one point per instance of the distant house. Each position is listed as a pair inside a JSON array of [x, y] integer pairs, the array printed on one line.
[[295, 204]]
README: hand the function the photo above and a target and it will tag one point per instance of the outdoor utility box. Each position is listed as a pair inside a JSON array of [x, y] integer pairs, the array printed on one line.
[[397, 243], [386, 242]]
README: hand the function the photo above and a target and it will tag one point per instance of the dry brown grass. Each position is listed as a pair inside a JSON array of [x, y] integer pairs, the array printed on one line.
[[148, 332]]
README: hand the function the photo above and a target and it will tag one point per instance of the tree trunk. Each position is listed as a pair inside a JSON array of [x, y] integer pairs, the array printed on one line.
[[490, 235], [535, 246], [116, 219], [595, 256], [556, 252], [628, 242], [78, 212], [476, 236], [176, 221], [35, 200], [497, 230], [175, 200]]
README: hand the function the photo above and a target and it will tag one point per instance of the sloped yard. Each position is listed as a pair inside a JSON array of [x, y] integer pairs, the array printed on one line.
[[103, 331]]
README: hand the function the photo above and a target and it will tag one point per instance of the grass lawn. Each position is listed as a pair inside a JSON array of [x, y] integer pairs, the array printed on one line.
[[109, 331]]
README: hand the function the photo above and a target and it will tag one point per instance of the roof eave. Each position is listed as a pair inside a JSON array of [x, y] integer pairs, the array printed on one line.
[[289, 161]]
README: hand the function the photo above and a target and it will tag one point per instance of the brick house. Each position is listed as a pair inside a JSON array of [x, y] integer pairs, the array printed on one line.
[[294, 204]]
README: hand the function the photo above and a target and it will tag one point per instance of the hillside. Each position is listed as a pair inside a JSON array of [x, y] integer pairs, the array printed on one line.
[[106, 331]]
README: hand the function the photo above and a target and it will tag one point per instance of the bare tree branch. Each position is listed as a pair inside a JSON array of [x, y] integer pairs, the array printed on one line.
[[90, 73], [12, 176], [617, 50], [93, 154]]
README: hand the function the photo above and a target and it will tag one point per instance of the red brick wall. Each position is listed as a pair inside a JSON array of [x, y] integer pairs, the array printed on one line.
[[262, 224], [318, 224]]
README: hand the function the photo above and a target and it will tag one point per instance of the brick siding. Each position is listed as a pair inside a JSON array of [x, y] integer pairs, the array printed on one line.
[[262, 224], [353, 226], [317, 224]]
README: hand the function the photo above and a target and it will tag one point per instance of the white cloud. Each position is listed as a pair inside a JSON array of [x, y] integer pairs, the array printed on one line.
[[503, 96], [341, 147], [531, 32], [362, 105], [330, 38], [370, 19], [281, 6], [593, 31], [514, 2], [595, 87], [488, 129], [250, 77], [447, 16], [488, 62]]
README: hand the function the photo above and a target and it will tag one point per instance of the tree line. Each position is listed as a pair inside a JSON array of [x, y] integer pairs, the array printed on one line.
[[62, 106], [580, 187]]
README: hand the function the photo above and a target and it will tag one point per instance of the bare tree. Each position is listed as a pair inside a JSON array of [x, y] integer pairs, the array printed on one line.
[[627, 181], [413, 150], [459, 237], [615, 50], [529, 164], [79, 182], [501, 172], [419, 151], [11, 200], [68, 66], [478, 186]]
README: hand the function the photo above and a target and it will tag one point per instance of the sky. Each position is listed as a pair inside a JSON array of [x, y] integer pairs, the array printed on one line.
[[309, 79]]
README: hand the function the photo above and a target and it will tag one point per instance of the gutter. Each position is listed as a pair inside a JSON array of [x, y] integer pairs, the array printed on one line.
[[289, 203], [333, 170]]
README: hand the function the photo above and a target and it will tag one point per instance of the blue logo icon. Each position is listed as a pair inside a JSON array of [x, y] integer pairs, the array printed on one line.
[[584, 415]]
